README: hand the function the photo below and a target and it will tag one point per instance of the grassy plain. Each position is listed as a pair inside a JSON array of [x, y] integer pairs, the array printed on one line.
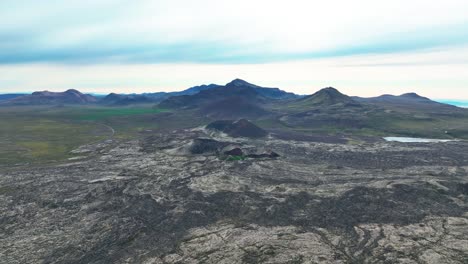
[[46, 134]]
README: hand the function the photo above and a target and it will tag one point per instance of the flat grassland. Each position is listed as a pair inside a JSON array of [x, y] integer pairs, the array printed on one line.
[[39, 134]]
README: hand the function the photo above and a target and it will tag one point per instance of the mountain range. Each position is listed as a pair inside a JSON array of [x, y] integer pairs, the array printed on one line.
[[52, 98], [239, 99], [145, 98], [4, 97]]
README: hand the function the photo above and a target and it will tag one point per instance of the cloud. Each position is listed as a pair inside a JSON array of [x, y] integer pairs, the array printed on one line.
[[363, 47], [209, 31], [437, 75]]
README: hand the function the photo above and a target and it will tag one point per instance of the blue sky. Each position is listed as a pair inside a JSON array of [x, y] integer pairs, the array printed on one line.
[[361, 47]]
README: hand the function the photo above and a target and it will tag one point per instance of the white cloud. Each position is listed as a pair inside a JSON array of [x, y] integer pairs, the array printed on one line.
[[261, 25], [437, 74], [364, 47]]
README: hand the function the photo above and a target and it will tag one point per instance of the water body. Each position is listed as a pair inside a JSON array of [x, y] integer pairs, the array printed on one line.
[[459, 103], [416, 140]]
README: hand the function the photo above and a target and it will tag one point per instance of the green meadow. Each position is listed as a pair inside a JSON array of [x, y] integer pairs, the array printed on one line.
[[39, 134]]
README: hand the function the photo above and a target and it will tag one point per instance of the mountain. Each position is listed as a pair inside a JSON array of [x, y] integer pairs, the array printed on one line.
[[407, 97], [194, 90], [4, 97], [145, 98], [407, 101], [326, 97], [326, 108], [50, 98], [236, 99], [237, 88], [273, 93], [414, 96], [112, 98], [232, 108]]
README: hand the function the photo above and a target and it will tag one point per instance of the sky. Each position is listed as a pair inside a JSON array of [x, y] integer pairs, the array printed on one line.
[[361, 47]]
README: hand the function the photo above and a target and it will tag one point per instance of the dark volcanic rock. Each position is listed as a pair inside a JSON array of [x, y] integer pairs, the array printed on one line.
[[206, 145], [240, 128], [329, 203], [270, 154], [234, 152]]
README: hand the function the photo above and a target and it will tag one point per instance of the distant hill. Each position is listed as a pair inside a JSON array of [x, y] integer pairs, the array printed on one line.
[[145, 98], [326, 97], [326, 108], [4, 97], [194, 90], [272, 93], [407, 101], [52, 98]]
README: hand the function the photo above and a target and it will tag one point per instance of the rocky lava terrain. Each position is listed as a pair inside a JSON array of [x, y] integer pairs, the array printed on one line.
[[204, 196]]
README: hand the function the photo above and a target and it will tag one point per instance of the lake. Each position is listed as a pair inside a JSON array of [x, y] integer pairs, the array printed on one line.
[[416, 140]]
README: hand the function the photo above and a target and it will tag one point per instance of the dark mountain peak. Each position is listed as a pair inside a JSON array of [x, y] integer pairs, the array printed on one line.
[[195, 89], [112, 98], [410, 95], [385, 96], [40, 92], [327, 96], [72, 91], [330, 91], [114, 95], [413, 96], [266, 92], [234, 100], [240, 83]]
